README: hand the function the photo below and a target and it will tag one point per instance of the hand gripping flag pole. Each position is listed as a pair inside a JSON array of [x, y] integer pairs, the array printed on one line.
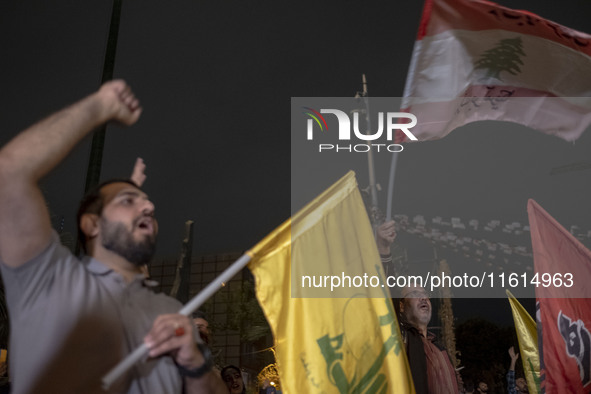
[[219, 282]]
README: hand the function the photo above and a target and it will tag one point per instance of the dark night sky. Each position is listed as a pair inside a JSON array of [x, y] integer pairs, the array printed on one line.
[[215, 80]]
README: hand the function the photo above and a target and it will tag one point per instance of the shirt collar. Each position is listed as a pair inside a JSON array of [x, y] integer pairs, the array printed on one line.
[[431, 336], [95, 266], [98, 268]]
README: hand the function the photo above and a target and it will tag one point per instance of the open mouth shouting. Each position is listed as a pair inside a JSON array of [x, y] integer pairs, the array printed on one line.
[[146, 224]]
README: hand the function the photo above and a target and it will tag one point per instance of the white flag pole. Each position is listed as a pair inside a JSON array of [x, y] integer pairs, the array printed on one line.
[[391, 186], [219, 282]]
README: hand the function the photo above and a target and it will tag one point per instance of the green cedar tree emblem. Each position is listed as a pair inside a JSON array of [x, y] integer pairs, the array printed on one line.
[[505, 56]]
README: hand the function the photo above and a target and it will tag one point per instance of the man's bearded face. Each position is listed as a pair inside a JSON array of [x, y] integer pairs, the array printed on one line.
[[118, 239]]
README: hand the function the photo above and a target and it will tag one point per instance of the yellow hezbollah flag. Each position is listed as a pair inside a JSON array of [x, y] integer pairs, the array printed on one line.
[[527, 335], [348, 343]]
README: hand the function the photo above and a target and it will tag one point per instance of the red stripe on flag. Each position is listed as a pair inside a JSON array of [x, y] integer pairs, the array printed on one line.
[[477, 15], [476, 48], [425, 17]]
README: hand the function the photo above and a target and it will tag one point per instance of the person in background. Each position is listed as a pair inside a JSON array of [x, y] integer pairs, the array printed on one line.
[[482, 387], [202, 326], [429, 362], [519, 385], [232, 376]]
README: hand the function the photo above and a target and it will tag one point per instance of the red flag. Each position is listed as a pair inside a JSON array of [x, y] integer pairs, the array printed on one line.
[[475, 60], [563, 270]]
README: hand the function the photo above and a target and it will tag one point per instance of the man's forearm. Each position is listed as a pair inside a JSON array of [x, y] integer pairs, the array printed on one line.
[[25, 227], [196, 379], [209, 383], [24, 221], [37, 150]]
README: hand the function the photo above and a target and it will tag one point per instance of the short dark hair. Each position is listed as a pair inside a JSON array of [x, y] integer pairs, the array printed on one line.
[[93, 202], [228, 367]]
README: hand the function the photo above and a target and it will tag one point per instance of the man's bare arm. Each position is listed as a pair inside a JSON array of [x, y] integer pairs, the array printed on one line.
[[514, 356], [25, 226]]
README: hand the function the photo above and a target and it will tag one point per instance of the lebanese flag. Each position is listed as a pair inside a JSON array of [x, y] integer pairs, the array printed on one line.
[[476, 60], [564, 312]]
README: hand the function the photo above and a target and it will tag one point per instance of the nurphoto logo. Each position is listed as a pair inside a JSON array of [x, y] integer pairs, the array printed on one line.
[[402, 121]]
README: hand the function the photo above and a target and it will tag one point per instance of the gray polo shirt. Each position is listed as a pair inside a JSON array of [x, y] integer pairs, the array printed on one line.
[[72, 321]]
